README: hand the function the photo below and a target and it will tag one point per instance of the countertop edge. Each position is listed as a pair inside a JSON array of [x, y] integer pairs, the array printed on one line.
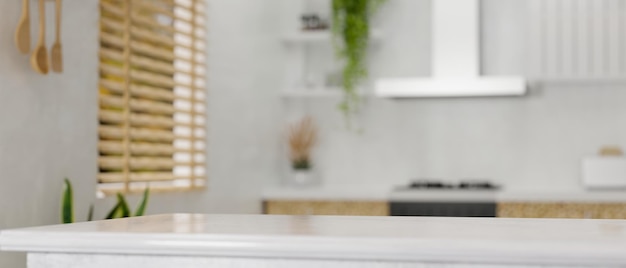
[[302, 247]]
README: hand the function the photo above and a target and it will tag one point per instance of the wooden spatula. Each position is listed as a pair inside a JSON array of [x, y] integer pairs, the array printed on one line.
[[56, 53], [22, 33], [39, 58]]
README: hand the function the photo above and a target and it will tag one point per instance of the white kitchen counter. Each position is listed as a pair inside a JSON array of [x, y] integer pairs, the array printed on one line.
[[385, 194], [511, 196], [327, 193], [188, 240]]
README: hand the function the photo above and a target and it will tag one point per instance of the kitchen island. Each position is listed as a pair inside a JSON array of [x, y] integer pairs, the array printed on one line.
[[238, 241]]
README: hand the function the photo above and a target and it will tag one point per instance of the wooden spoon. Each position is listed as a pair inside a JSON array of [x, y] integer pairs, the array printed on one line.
[[22, 33], [39, 58], [56, 54]]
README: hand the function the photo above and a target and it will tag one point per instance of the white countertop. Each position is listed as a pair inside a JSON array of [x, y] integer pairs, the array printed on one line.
[[424, 239], [510, 196], [345, 193], [327, 193]]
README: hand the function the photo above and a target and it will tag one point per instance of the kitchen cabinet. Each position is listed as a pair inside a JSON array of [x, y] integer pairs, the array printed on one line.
[[578, 210], [326, 207], [376, 202], [561, 210]]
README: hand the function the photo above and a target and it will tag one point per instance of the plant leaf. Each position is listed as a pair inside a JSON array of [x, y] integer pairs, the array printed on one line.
[[113, 212], [350, 31], [123, 205], [90, 214], [141, 209], [67, 210]]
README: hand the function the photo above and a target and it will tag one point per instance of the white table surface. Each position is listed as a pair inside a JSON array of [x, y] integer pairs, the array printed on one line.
[[423, 239]]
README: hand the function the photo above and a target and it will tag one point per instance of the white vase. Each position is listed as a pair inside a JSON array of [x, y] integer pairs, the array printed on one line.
[[302, 177]]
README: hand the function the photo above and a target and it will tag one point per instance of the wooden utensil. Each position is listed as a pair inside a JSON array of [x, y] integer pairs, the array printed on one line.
[[22, 33], [39, 58], [56, 54]]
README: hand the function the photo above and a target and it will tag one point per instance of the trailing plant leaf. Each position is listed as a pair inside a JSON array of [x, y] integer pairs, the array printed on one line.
[[90, 214], [123, 206], [351, 29], [67, 213], [144, 202], [114, 212]]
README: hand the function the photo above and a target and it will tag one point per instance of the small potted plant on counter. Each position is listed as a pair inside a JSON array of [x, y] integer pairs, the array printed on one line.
[[302, 139]]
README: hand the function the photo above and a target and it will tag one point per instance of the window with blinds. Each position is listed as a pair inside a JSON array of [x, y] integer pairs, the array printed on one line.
[[152, 95]]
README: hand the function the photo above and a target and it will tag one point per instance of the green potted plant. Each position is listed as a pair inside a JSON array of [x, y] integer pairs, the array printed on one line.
[[302, 139], [120, 210], [351, 31]]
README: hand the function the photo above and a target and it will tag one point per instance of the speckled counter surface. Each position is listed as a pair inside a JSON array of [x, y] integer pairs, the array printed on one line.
[[562, 210], [190, 240], [318, 207]]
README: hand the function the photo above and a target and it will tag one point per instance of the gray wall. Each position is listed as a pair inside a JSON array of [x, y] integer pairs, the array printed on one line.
[[49, 124]]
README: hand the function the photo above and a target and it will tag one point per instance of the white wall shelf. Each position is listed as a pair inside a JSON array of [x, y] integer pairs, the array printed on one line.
[[328, 92], [311, 68], [299, 59], [320, 36]]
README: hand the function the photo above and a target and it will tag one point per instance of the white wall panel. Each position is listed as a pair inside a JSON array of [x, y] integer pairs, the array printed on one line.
[[576, 39]]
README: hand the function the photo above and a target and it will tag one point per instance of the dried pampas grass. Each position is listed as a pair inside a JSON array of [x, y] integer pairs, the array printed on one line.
[[302, 139]]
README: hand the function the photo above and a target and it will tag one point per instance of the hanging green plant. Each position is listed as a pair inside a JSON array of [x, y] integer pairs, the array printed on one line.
[[351, 29]]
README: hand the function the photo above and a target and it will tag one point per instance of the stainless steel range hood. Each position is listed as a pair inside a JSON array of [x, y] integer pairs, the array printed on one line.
[[455, 60]]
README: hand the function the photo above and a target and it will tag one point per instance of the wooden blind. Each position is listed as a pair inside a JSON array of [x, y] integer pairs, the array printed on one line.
[[152, 95]]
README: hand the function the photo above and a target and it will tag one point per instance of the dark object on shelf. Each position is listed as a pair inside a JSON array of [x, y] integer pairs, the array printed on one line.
[[313, 22]]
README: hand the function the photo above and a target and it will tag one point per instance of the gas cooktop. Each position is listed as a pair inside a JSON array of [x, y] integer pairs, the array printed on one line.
[[473, 184], [433, 197]]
